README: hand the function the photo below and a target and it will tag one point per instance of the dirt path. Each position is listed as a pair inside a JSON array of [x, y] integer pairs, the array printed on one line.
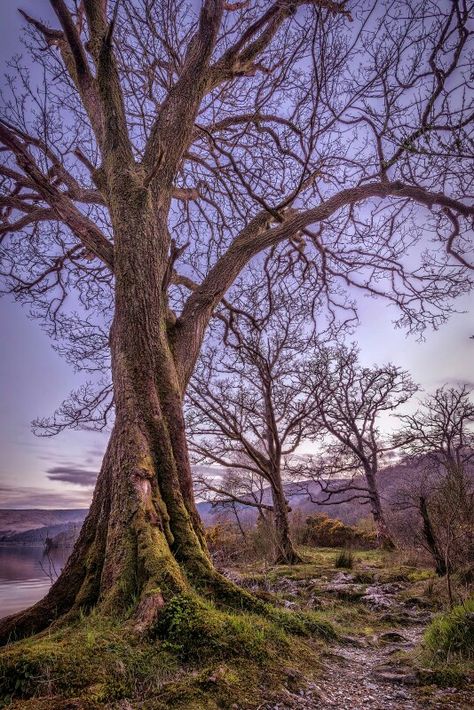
[[366, 677], [368, 672]]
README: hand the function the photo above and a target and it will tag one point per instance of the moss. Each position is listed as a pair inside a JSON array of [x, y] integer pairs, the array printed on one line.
[[94, 660], [304, 623], [199, 657], [196, 630]]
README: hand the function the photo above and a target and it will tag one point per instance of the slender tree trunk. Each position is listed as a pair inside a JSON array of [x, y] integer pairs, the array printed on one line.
[[384, 537], [286, 553], [430, 538]]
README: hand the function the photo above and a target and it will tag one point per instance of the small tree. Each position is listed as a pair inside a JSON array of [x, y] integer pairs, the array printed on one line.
[[349, 400], [246, 411], [232, 489], [439, 440]]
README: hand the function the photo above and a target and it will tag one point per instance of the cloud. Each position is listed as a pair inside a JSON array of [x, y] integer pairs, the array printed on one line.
[[72, 474], [32, 497]]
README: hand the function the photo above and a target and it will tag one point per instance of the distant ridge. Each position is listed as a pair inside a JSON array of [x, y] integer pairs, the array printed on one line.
[[24, 526], [31, 527]]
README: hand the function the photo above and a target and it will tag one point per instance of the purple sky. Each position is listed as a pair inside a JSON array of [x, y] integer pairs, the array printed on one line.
[[59, 472]]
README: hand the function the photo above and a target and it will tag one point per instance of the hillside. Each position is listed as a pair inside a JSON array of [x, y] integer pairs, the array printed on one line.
[[26, 527], [32, 526]]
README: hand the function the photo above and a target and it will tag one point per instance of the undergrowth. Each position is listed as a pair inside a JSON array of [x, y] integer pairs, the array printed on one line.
[[344, 560]]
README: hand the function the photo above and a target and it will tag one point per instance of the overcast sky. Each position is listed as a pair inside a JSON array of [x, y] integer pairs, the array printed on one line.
[[59, 472]]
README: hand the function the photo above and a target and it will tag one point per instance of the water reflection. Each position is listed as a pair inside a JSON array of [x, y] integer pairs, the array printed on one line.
[[26, 574]]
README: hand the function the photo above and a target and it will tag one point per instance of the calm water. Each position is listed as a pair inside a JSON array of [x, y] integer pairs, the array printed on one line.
[[25, 575]]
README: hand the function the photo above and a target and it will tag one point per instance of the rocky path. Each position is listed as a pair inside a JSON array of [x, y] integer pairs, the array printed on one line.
[[368, 672]]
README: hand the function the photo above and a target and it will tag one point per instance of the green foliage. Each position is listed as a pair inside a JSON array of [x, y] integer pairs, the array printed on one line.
[[452, 634], [344, 560]]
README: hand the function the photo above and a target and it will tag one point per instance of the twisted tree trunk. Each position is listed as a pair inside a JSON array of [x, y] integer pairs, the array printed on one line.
[[286, 553], [143, 540]]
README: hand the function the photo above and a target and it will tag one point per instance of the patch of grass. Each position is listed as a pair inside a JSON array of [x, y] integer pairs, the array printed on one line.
[[197, 657], [344, 559], [446, 675], [194, 630], [451, 635], [304, 623]]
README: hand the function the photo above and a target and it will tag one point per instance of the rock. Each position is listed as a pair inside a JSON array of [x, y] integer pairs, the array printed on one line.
[[217, 675], [354, 641], [350, 592], [377, 600], [343, 578], [393, 637], [395, 674]]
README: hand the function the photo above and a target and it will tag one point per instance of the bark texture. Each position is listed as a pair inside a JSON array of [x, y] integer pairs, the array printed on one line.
[[286, 553], [384, 537]]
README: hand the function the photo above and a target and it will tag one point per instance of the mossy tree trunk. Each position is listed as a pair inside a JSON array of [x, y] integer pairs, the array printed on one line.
[[143, 540]]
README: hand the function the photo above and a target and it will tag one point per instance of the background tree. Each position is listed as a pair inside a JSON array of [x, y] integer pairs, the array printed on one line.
[[247, 413], [161, 151], [439, 440], [349, 401], [232, 489]]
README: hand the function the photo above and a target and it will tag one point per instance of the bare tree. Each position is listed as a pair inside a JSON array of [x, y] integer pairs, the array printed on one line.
[[349, 402], [247, 412], [234, 489], [439, 440], [162, 152]]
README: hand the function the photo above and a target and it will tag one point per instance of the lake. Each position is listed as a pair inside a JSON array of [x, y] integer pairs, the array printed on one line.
[[25, 575]]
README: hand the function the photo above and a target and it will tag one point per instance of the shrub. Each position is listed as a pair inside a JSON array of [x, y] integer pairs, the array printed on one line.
[[322, 531], [452, 634], [225, 542], [345, 559]]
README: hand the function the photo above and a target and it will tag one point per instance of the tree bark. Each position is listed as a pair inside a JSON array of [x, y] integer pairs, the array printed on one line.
[[143, 541], [384, 537], [285, 551]]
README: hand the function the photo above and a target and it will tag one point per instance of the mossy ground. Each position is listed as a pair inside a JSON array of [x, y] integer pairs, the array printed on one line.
[[201, 657], [198, 656]]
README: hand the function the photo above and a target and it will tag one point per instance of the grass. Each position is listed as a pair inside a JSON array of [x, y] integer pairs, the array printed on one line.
[[199, 656], [450, 636], [196, 656], [344, 560]]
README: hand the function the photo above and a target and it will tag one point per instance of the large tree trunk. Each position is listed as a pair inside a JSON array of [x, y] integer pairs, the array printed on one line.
[[142, 541], [384, 537], [285, 551]]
